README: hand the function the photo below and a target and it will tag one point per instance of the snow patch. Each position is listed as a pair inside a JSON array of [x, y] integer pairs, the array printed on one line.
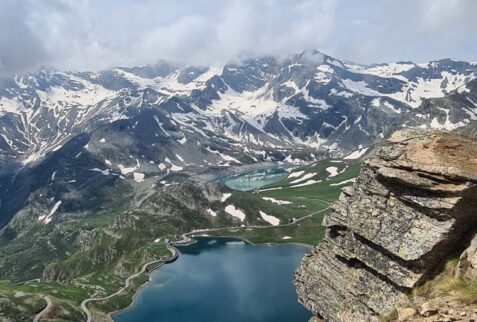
[[176, 168], [270, 189], [47, 218], [305, 177], [343, 182], [103, 172], [296, 174], [225, 196], [138, 176], [235, 212], [211, 212], [278, 202], [126, 170], [356, 154], [309, 182], [274, 221], [333, 171]]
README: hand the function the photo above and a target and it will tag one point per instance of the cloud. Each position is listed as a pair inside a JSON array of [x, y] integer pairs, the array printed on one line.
[[389, 30], [87, 34], [97, 34], [20, 49]]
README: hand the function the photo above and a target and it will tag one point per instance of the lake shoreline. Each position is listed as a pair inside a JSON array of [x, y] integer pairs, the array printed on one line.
[[271, 244], [215, 174], [133, 301], [189, 238], [191, 242]]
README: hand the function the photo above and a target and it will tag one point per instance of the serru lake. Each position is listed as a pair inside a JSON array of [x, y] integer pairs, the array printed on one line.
[[254, 179], [222, 280]]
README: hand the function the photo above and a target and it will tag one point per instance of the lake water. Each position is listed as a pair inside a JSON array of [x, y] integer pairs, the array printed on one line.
[[254, 179], [222, 280]]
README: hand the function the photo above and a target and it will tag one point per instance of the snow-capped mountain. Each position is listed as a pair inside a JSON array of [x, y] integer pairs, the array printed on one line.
[[70, 136], [309, 100]]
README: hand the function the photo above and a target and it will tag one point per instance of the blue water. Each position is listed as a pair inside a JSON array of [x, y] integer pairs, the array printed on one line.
[[222, 280], [254, 179]]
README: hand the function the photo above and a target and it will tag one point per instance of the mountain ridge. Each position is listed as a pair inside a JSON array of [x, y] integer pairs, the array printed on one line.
[[95, 167], [143, 123], [306, 100]]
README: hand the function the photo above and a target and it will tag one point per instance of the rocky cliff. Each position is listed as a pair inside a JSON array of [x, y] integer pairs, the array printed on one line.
[[411, 205]]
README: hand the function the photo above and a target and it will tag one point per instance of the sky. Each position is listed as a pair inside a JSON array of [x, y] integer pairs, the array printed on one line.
[[98, 34]]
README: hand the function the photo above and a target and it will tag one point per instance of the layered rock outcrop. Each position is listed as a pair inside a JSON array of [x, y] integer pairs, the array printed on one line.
[[412, 203]]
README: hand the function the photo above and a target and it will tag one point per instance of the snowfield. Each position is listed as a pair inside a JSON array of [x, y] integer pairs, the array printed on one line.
[[103, 172], [235, 212], [138, 176], [211, 212], [47, 218], [225, 196], [356, 154], [333, 171], [126, 170], [268, 112], [305, 177], [295, 174], [278, 202], [343, 182], [309, 182], [274, 221]]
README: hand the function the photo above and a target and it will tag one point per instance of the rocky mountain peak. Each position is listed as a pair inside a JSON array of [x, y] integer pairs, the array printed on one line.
[[412, 204]]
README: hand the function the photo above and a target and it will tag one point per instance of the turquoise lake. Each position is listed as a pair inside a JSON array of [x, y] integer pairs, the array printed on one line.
[[222, 280], [254, 179]]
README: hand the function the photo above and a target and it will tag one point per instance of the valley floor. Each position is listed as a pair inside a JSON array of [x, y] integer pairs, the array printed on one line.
[[288, 211]]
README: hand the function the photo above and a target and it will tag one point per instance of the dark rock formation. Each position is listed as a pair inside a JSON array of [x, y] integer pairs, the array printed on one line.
[[411, 205], [467, 266]]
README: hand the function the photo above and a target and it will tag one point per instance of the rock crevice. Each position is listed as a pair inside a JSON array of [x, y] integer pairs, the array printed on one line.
[[411, 205]]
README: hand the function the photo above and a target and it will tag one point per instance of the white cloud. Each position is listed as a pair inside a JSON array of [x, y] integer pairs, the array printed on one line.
[[96, 34], [389, 30], [88, 34]]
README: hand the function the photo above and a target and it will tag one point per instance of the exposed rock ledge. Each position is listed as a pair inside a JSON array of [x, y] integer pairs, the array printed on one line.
[[410, 206]]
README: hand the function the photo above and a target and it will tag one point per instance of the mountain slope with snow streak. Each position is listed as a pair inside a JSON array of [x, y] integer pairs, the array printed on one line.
[[307, 101]]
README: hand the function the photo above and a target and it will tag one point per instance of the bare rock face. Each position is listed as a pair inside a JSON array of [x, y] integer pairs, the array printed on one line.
[[410, 206], [467, 266]]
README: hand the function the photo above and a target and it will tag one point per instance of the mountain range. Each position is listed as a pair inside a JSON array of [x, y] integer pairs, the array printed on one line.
[[90, 129], [94, 166]]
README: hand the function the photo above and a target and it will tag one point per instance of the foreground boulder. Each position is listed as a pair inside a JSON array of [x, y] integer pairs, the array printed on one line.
[[412, 203], [467, 266]]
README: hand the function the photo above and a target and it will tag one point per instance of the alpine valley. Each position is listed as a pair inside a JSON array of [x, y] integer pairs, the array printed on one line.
[[97, 169]]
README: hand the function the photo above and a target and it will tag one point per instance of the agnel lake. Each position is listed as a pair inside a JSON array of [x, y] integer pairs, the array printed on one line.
[[254, 179], [222, 280]]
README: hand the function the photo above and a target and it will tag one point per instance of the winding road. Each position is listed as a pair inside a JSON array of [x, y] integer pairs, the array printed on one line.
[[173, 257], [45, 309], [186, 239]]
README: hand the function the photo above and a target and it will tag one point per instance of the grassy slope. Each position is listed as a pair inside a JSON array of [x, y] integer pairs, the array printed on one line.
[[304, 200], [118, 242], [64, 297], [132, 250], [122, 242]]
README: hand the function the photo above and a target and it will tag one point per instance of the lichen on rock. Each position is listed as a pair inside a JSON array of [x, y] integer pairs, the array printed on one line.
[[411, 205]]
